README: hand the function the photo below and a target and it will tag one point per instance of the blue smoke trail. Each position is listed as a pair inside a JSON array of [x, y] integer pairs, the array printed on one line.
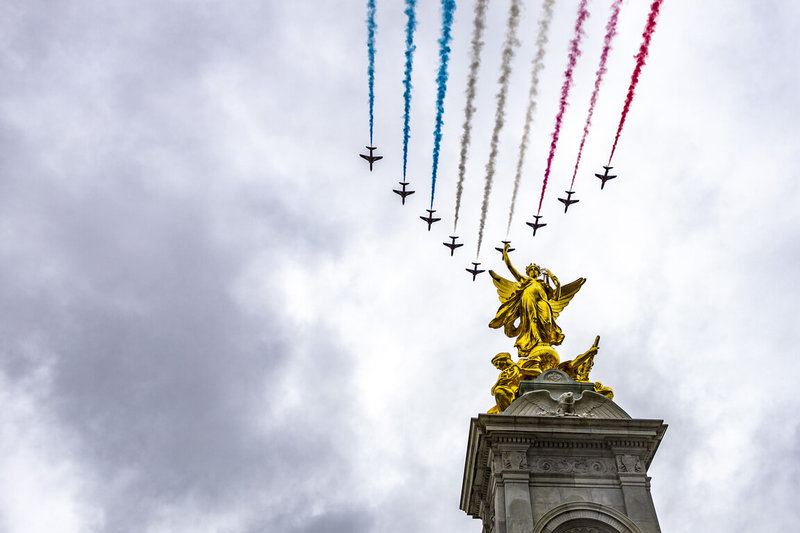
[[411, 6], [448, 8], [371, 27]]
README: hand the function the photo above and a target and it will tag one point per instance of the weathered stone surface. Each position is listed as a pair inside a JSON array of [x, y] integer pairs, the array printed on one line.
[[544, 467]]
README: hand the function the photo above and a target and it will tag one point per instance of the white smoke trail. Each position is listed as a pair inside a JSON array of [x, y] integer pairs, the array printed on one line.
[[505, 74], [538, 65], [477, 44]]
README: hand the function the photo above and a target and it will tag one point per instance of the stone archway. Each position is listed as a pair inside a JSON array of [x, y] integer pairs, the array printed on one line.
[[585, 517]]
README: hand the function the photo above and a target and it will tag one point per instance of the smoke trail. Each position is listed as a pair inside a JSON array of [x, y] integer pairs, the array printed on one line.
[[533, 93], [640, 59], [448, 8], [574, 52], [499, 116], [477, 44], [371, 27], [411, 6], [611, 31]]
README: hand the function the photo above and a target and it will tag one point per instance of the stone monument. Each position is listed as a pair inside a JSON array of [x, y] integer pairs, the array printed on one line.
[[555, 454]]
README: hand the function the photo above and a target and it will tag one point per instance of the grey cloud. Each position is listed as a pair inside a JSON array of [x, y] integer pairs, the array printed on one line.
[[159, 373], [336, 521], [121, 260], [775, 468]]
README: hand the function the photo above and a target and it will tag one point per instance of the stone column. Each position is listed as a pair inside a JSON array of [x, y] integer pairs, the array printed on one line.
[[512, 479], [635, 485]]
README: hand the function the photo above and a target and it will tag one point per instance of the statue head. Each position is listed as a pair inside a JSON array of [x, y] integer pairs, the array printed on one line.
[[502, 360], [533, 271]]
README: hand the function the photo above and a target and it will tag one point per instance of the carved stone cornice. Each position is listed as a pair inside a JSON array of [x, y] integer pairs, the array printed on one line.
[[503, 445]]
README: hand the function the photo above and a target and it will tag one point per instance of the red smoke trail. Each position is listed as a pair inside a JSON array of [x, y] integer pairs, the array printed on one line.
[[574, 52], [611, 31], [640, 59]]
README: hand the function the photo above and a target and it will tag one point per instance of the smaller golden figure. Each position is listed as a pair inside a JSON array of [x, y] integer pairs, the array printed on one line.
[[507, 385], [579, 368]]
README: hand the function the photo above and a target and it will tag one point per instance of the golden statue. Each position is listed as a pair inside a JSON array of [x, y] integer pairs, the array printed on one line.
[[579, 368], [529, 308], [528, 311], [507, 385]]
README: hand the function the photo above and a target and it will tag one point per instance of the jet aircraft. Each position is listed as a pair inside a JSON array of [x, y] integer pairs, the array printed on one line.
[[568, 200], [536, 224], [404, 192], [371, 158], [430, 219], [474, 270], [504, 243], [452, 245], [605, 177]]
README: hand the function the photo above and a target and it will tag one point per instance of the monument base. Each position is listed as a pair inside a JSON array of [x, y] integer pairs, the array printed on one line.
[[561, 459]]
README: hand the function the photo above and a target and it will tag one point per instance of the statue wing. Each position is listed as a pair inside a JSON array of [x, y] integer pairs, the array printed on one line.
[[567, 292], [505, 288]]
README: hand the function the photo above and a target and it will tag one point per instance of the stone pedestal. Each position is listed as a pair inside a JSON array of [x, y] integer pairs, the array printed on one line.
[[561, 459]]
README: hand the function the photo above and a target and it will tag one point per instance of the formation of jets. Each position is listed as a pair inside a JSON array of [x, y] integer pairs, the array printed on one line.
[[452, 244], [605, 177], [404, 192], [430, 219], [371, 158], [568, 200], [474, 270]]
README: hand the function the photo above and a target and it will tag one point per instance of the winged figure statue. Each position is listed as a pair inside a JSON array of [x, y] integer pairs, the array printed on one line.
[[529, 307]]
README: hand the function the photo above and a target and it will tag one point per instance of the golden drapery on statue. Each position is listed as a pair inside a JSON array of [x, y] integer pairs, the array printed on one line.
[[528, 310]]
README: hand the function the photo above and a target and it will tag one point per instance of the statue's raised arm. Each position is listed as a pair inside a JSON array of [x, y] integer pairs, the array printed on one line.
[[507, 261]]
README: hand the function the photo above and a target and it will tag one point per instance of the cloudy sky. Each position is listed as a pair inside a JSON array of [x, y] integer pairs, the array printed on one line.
[[214, 318]]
